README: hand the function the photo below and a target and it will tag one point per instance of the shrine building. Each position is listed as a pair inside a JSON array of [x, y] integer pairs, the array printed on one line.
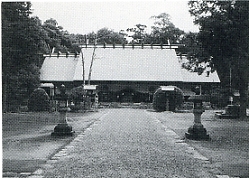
[[125, 74]]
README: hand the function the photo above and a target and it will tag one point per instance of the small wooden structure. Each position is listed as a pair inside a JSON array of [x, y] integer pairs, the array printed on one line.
[[91, 96], [167, 98]]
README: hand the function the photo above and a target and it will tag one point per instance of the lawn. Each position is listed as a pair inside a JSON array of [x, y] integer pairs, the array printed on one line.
[[22, 123]]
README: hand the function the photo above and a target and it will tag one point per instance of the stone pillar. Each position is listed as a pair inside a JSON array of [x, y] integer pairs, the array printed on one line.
[[167, 103], [197, 131], [63, 118]]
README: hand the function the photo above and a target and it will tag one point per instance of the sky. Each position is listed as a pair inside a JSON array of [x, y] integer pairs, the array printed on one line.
[[83, 17]]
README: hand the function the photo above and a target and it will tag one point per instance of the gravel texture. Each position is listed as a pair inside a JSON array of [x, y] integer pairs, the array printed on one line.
[[129, 143]]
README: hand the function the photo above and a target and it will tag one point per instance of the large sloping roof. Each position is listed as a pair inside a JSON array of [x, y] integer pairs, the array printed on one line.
[[194, 77], [131, 64], [206, 76], [118, 64], [58, 68]]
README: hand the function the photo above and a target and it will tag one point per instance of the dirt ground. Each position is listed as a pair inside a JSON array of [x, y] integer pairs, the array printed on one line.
[[27, 141], [229, 145]]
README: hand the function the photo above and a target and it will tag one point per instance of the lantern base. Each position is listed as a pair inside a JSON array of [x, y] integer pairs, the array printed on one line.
[[197, 132], [62, 130]]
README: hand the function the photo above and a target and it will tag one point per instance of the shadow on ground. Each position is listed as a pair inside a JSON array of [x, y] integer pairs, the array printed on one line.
[[27, 142]]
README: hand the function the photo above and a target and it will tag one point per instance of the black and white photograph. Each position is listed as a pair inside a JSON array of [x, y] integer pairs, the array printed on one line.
[[125, 89]]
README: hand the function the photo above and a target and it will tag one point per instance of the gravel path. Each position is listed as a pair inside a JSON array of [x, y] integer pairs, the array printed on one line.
[[128, 143]]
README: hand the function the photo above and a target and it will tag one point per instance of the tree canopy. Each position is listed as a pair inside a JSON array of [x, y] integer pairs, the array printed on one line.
[[56, 38], [22, 42], [164, 30], [223, 41]]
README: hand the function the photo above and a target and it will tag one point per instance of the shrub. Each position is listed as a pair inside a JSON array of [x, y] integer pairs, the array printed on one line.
[[39, 100], [77, 94], [160, 98]]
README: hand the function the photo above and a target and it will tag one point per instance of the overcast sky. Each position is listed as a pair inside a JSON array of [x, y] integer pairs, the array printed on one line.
[[86, 16]]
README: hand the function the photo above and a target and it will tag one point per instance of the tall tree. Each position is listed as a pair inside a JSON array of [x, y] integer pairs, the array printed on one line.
[[223, 40], [105, 35], [138, 33], [195, 54], [164, 30], [22, 41], [56, 37]]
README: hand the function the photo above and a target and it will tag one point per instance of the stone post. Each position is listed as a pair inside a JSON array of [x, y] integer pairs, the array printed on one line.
[[197, 131], [62, 127]]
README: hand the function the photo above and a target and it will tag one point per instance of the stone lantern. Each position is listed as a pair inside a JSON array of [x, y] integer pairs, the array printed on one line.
[[62, 127], [197, 131]]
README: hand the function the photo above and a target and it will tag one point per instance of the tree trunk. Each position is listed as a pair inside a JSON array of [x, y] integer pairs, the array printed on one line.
[[243, 88], [243, 100], [4, 94], [5, 101]]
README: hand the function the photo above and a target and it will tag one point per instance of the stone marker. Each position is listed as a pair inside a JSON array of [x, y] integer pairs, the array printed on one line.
[[197, 131], [63, 128]]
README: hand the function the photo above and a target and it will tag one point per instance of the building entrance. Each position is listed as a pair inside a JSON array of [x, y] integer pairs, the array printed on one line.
[[127, 95]]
